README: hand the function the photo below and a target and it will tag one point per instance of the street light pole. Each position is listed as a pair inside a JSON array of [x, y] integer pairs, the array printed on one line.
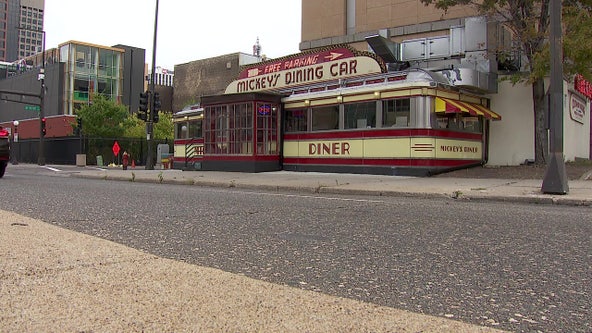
[[555, 181], [14, 154], [149, 123], [41, 77]]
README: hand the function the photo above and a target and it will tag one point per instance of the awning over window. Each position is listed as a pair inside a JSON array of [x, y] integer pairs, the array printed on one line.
[[445, 105]]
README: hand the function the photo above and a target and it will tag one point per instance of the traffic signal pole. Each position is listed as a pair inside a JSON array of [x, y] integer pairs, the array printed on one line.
[[41, 79], [149, 116]]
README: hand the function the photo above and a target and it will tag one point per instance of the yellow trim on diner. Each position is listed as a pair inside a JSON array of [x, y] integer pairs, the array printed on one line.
[[187, 118], [358, 98], [400, 147]]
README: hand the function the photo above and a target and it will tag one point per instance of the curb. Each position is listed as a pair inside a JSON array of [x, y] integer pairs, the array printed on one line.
[[344, 191]]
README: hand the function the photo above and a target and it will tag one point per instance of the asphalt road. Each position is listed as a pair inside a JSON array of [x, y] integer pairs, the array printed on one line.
[[524, 268]]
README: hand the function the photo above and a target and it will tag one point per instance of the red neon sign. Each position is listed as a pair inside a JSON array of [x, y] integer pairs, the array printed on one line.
[[583, 86]]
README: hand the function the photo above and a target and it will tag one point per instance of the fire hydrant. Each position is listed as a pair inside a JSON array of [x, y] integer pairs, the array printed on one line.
[[125, 160]]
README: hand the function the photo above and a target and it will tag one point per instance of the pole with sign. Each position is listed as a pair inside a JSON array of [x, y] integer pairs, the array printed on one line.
[[116, 150]]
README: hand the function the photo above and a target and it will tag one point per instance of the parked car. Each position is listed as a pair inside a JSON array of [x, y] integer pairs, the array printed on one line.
[[4, 150]]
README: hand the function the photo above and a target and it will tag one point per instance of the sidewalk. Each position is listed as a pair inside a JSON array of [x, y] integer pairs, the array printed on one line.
[[526, 191], [58, 280]]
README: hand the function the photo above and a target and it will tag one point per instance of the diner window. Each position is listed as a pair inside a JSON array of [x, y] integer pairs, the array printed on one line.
[[229, 129], [459, 122], [472, 124], [396, 112], [194, 129], [216, 130], [360, 115], [267, 134], [181, 130], [325, 118], [296, 120], [241, 129]]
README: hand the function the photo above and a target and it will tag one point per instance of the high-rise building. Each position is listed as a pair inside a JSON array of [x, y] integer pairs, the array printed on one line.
[[21, 28], [163, 77]]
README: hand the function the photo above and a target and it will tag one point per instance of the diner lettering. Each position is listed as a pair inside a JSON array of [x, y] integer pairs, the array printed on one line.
[[344, 68], [274, 77], [300, 62], [334, 148], [458, 149], [304, 75], [263, 82]]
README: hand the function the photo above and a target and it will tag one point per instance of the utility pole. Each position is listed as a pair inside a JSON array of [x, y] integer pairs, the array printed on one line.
[[555, 181], [150, 117]]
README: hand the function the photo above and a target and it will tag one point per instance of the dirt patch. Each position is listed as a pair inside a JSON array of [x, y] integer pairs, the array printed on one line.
[[575, 171]]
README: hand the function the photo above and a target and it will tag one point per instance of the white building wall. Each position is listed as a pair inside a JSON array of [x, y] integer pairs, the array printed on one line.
[[511, 140], [576, 135]]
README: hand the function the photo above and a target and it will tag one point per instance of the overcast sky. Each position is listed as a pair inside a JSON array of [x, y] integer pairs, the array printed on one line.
[[187, 29]]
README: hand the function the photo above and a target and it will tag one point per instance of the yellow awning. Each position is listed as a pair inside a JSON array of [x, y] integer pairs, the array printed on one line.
[[445, 105]]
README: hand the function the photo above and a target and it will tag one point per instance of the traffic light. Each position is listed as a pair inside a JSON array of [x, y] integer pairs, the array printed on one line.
[[143, 110], [155, 117], [78, 126], [156, 108], [43, 126]]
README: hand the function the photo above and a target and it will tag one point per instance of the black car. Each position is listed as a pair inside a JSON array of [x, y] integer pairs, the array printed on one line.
[[4, 150]]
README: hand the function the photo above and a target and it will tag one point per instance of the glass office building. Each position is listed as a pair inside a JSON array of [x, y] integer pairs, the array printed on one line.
[[90, 69]]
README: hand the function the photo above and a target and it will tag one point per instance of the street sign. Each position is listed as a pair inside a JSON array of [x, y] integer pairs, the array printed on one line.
[[32, 108], [116, 148]]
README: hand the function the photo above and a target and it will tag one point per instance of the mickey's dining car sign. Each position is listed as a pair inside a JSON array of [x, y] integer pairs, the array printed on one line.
[[305, 68]]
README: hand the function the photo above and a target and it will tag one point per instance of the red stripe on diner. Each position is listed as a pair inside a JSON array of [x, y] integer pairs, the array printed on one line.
[[240, 158], [192, 159], [188, 141], [382, 133], [380, 162]]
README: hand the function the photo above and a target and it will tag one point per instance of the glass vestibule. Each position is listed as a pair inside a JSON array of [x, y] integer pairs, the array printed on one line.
[[229, 129]]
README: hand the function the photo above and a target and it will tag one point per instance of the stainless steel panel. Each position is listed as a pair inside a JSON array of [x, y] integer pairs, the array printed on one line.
[[438, 47], [457, 41], [414, 49], [475, 34]]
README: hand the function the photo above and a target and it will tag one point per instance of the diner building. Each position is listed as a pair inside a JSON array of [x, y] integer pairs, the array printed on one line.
[[480, 51]]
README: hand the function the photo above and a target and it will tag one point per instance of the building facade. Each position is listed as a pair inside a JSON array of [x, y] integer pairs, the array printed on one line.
[[134, 69], [163, 77], [207, 77], [73, 73], [90, 69], [21, 28]]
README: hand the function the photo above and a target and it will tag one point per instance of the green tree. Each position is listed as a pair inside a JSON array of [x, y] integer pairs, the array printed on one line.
[[136, 128], [529, 22], [164, 129], [103, 118]]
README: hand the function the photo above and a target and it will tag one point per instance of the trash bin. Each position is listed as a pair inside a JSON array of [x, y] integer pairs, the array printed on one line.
[[99, 160], [80, 160]]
